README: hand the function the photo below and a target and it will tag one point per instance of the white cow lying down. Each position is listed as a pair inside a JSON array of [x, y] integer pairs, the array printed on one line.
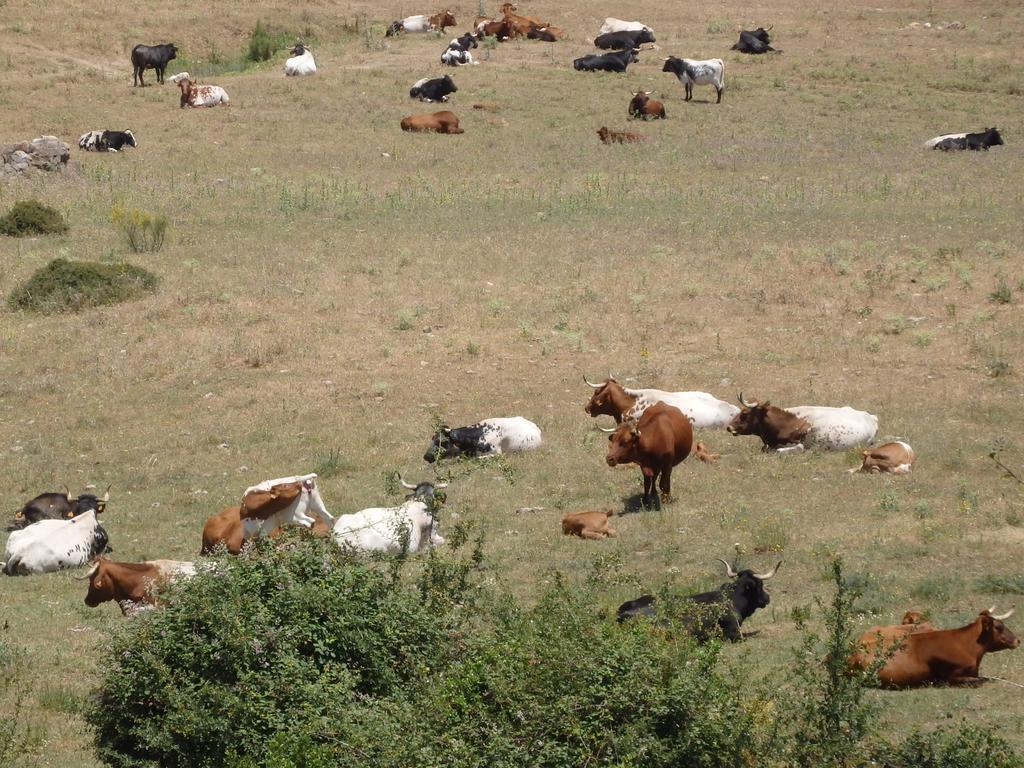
[[51, 545], [836, 429], [392, 529], [618, 25], [301, 62]]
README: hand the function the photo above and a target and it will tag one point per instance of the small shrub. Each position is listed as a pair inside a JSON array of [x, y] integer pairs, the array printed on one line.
[[64, 285], [997, 368], [1001, 585], [965, 746], [330, 463], [30, 217], [144, 231], [1002, 294], [263, 43]]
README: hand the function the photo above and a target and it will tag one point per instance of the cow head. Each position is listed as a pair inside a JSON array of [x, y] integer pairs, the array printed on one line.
[[604, 133], [449, 84], [673, 65], [912, 617], [172, 49], [747, 588], [508, 8], [442, 446], [99, 587], [645, 36], [609, 398], [87, 501], [425, 491], [623, 444], [298, 50], [996, 636], [992, 137], [131, 138], [774, 426], [634, 55]]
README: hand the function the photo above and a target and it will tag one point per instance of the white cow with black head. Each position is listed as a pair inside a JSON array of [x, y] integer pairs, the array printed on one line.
[[53, 545], [393, 530]]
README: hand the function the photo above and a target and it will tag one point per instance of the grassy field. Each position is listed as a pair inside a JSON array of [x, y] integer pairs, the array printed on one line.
[[331, 286]]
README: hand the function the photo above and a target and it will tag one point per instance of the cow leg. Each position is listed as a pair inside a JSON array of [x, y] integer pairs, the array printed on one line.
[[588, 534], [719, 90], [160, 75], [666, 483], [689, 92]]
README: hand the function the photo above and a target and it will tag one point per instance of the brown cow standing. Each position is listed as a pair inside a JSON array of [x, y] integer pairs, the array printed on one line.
[[661, 438], [950, 656], [618, 137], [438, 122], [588, 525], [896, 457], [226, 528], [776, 428], [131, 584]]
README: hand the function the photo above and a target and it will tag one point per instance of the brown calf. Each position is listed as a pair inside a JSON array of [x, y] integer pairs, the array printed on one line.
[[642, 106], [226, 528], [588, 525], [888, 637], [442, 19], [950, 656], [661, 438], [130, 584], [896, 457], [438, 122], [618, 137]]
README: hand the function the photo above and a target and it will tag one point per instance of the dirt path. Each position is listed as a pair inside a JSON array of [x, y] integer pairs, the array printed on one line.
[[41, 52]]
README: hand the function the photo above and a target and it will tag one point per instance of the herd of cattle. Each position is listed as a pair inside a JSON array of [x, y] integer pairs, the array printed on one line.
[[654, 428]]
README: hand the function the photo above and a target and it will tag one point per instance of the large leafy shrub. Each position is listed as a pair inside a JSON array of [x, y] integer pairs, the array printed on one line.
[[30, 217], [64, 285]]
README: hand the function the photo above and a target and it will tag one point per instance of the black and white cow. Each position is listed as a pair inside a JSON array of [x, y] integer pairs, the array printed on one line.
[[754, 41], [484, 438], [51, 545], [152, 57], [616, 61], [436, 89], [107, 141], [621, 41], [975, 141], [725, 608], [457, 53], [693, 72]]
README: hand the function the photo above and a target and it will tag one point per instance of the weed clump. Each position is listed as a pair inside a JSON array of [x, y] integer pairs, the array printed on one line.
[[144, 231], [64, 285], [30, 217], [263, 43]]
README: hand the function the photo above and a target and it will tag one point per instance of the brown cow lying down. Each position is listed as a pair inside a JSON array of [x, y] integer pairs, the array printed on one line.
[[226, 528], [896, 457], [889, 636], [588, 525], [131, 584], [618, 137], [438, 122], [949, 656]]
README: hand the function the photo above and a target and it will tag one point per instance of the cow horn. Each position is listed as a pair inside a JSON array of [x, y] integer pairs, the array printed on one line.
[[743, 402], [440, 485], [770, 28], [607, 429], [89, 575], [590, 383], [405, 484], [67, 491], [106, 495], [766, 576], [1002, 616], [728, 569]]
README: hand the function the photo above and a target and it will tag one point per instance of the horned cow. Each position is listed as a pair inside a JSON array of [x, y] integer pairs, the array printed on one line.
[[691, 72]]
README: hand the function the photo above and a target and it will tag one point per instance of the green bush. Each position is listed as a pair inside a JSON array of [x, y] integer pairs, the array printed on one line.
[[16, 738], [30, 217], [72, 285], [263, 43], [965, 746]]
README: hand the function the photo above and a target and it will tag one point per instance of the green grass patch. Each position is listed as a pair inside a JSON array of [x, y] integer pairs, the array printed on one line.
[[64, 285]]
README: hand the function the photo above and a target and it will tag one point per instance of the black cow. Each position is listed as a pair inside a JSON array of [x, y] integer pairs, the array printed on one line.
[[620, 41], [57, 506], [974, 141], [151, 57], [754, 41], [541, 33], [728, 606], [114, 141], [606, 62], [437, 89]]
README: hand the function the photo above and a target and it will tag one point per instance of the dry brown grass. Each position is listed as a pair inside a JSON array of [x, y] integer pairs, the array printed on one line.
[[330, 282]]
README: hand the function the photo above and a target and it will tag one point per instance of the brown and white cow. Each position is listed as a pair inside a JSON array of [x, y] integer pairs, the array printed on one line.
[[194, 95], [659, 440], [283, 501], [588, 525], [437, 122], [226, 528], [643, 107], [945, 656], [132, 585], [804, 426], [705, 411], [896, 457]]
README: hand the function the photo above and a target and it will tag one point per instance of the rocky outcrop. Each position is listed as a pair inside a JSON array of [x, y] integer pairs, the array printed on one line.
[[46, 153]]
